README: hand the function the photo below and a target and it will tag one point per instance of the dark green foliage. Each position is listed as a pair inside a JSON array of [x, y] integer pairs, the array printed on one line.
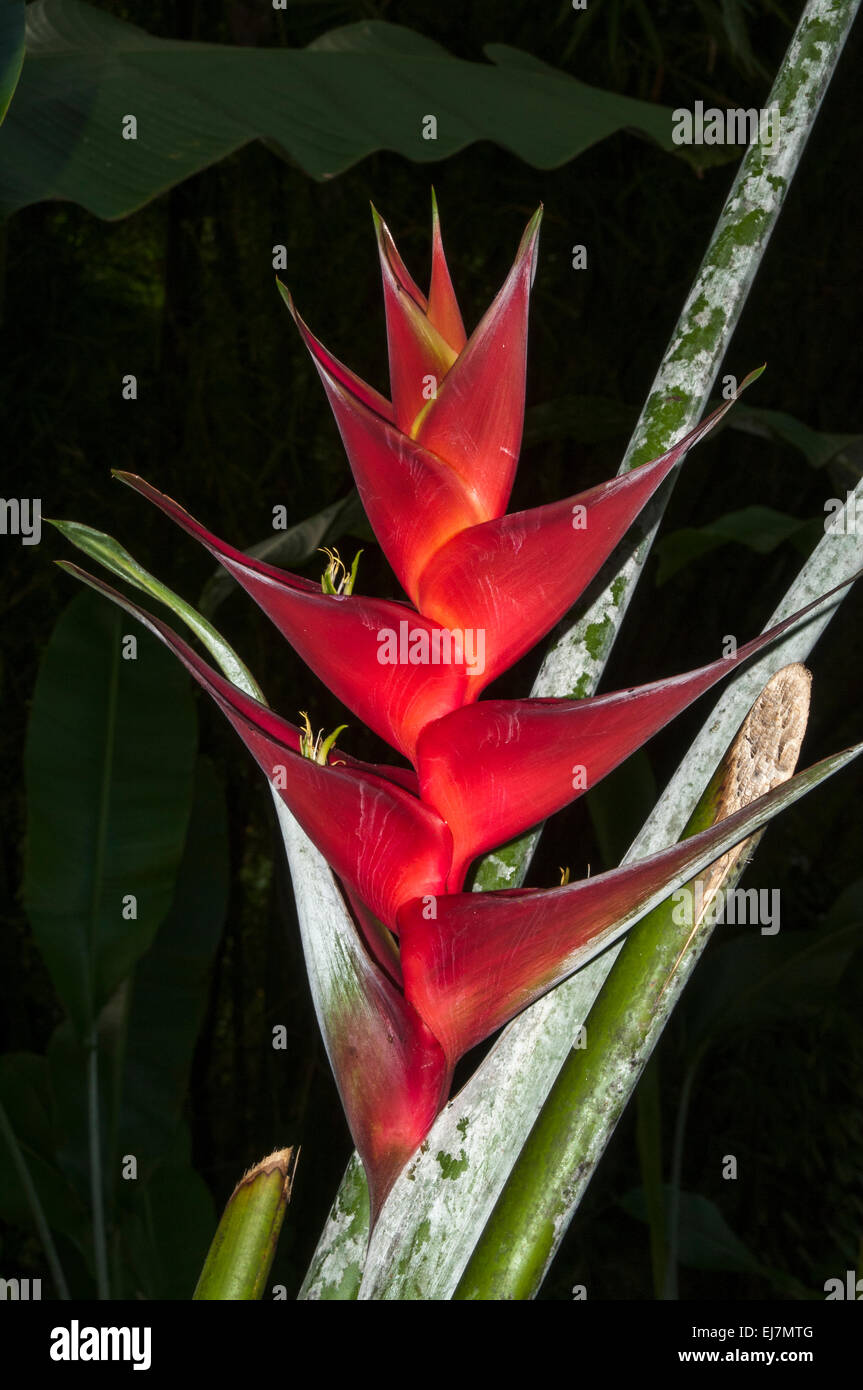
[[230, 420]]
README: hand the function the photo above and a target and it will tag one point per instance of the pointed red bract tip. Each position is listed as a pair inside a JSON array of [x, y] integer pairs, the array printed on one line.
[[325, 361], [419, 355], [443, 310], [476, 420]]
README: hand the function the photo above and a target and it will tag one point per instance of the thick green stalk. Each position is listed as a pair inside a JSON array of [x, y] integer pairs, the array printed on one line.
[[37, 1211], [240, 1257], [97, 1187]]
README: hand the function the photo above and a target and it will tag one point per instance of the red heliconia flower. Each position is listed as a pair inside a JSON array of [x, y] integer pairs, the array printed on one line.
[[430, 971], [483, 582]]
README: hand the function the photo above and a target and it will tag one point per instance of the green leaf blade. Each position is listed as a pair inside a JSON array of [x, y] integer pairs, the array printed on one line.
[[108, 771]]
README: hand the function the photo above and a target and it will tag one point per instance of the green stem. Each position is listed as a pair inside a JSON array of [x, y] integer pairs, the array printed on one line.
[[670, 1287], [100, 1247], [42, 1228], [240, 1258]]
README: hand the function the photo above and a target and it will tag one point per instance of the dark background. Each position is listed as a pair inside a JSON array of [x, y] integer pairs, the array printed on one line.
[[231, 421]]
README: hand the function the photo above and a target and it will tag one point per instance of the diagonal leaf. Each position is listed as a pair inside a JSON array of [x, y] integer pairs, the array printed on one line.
[[118, 561], [11, 50], [366, 87], [761, 529], [707, 1241]]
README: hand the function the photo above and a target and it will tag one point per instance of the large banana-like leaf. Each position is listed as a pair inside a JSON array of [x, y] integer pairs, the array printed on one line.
[[106, 820], [366, 87]]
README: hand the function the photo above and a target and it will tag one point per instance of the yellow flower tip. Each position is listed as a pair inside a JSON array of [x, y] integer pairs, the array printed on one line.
[[381, 229], [314, 746], [336, 579], [286, 296], [307, 738]]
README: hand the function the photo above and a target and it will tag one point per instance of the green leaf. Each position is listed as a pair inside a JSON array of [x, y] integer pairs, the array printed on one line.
[[818, 447], [336, 1271], [115, 558], [706, 1241], [108, 770], [754, 981], [243, 1247], [163, 1239], [761, 529], [363, 88], [12, 21]]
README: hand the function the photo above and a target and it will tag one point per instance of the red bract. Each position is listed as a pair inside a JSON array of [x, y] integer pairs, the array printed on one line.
[[443, 456], [434, 467]]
